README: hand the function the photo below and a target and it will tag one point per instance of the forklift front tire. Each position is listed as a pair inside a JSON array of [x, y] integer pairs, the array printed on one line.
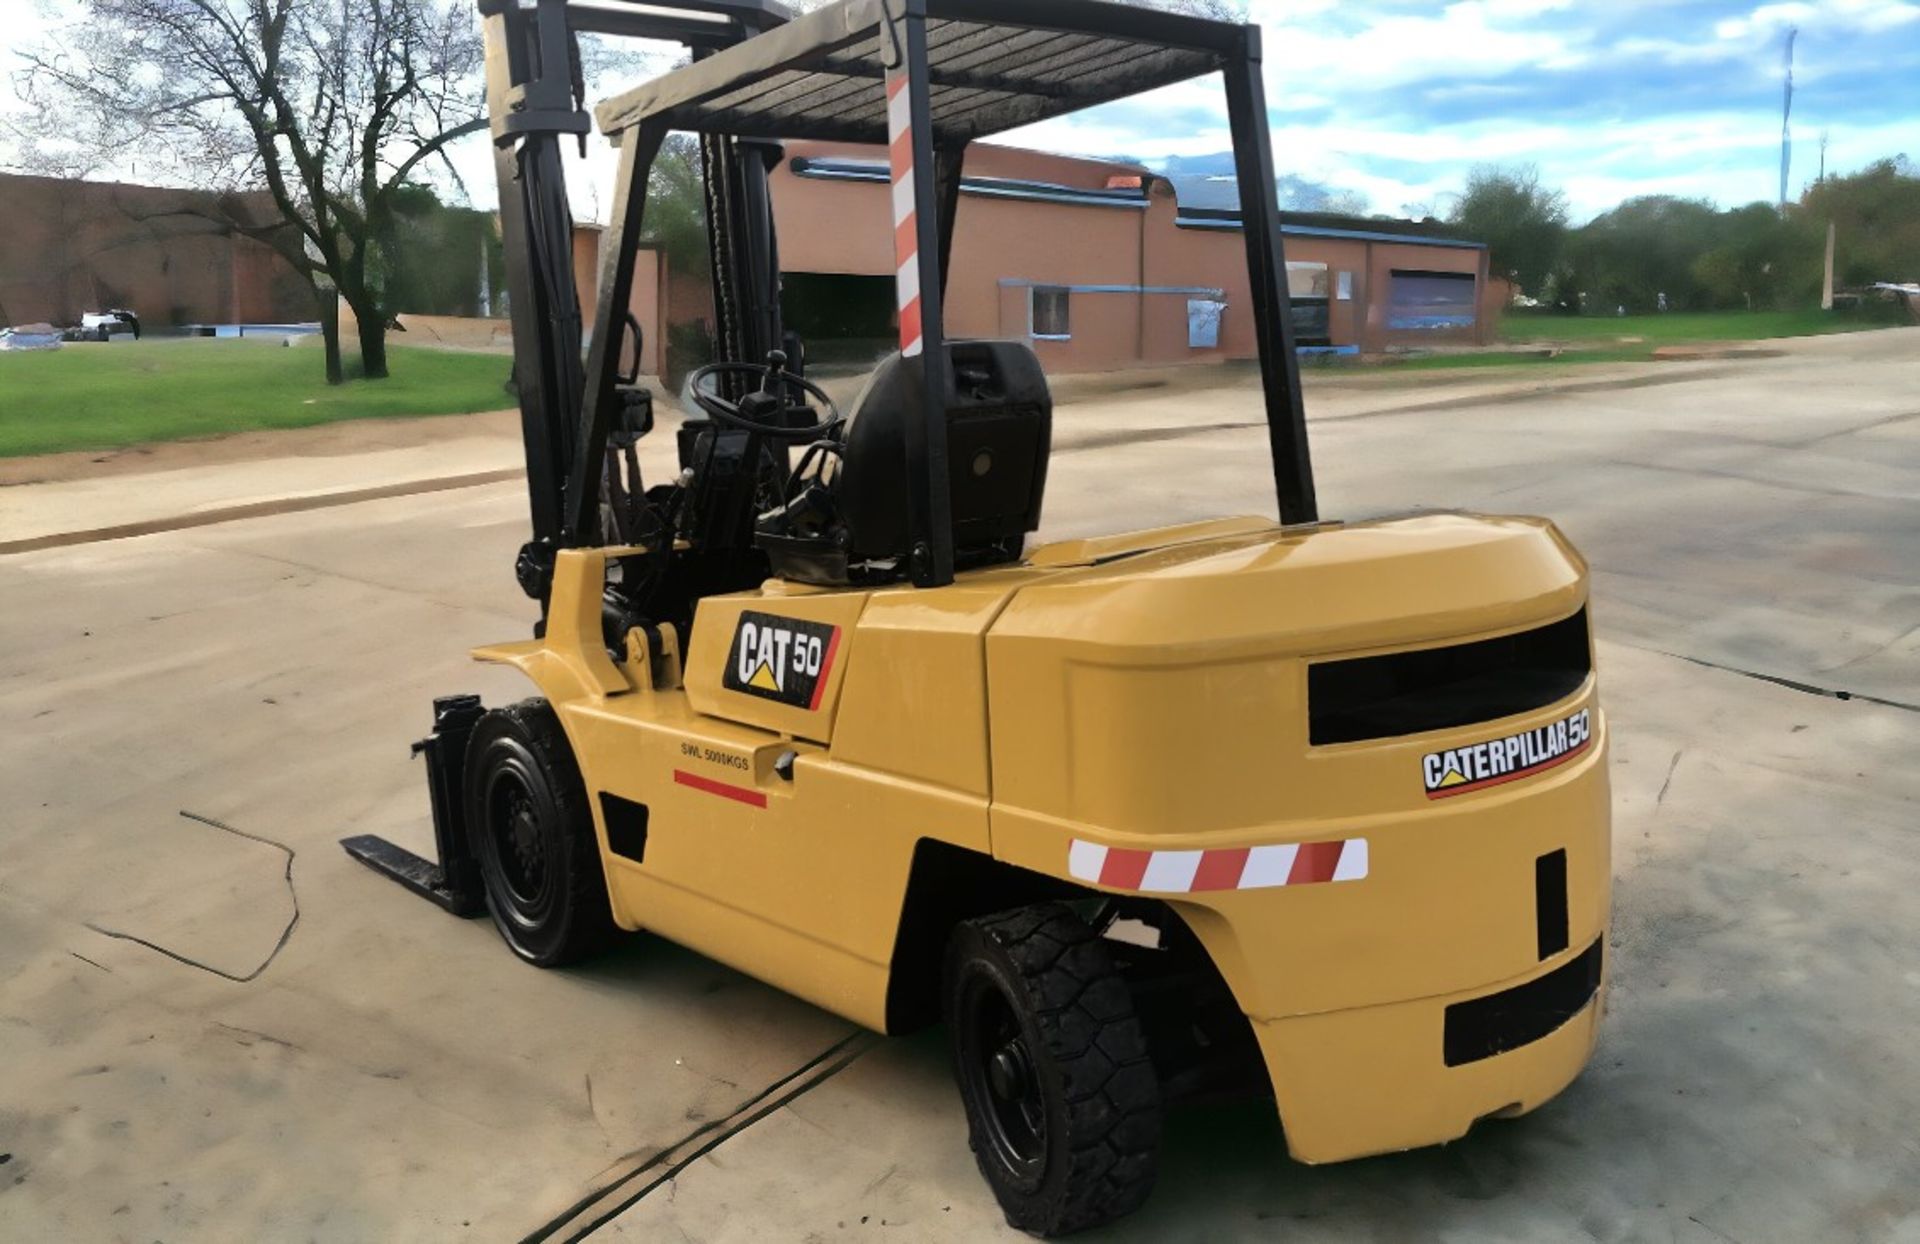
[[531, 831], [1063, 1107]]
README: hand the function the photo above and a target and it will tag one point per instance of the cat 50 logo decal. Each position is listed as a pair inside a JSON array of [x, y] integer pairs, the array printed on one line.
[[783, 659], [1461, 769]]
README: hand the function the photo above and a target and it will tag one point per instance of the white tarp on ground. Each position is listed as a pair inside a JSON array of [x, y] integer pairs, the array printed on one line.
[[30, 337]]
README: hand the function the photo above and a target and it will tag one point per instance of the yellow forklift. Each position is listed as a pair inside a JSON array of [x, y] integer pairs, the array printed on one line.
[[1281, 805]]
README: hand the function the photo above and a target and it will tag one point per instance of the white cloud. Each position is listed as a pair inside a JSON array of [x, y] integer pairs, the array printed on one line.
[[1468, 38], [1288, 10], [1865, 16], [1511, 9], [1362, 66]]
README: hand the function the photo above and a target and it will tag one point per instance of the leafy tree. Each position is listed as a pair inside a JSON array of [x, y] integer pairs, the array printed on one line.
[[1644, 248], [335, 105], [676, 219], [1760, 259], [1876, 218], [433, 255], [1522, 221], [676, 213]]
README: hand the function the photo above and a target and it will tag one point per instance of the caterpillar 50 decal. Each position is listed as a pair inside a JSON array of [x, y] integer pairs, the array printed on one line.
[[783, 659], [1479, 765]]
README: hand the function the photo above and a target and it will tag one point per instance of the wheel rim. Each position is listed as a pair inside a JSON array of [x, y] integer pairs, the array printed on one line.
[[518, 844], [1002, 1076]]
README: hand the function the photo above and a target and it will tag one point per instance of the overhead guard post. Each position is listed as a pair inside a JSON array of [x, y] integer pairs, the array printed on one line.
[[950, 159], [917, 283], [619, 247], [1267, 275]]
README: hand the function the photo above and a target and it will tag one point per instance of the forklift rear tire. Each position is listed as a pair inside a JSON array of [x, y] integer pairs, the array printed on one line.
[[531, 830], [1063, 1107]]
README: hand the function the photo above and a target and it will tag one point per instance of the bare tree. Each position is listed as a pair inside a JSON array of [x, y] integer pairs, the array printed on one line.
[[334, 106], [1218, 10]]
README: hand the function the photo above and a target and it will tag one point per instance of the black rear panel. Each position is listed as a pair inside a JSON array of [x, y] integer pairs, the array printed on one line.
[[1504, 1021], [1438, 688], [626, 823], [1550, 902]]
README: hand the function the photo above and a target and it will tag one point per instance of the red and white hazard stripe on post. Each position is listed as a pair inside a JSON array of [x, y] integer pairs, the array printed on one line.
[[1226, 868], [906, 224]]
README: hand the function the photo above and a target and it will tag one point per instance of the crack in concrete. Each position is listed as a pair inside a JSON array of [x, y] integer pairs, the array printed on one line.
[[1791, 684], [177, 957], [1700, 1222], [618, 1195], [1741, 478], [327, 572], [1662, 796], [1824, 437], [1868, 656], [1510, 396], [257, 1035]]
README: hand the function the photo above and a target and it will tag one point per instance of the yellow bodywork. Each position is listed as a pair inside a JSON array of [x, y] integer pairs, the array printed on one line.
[[1132, 693]]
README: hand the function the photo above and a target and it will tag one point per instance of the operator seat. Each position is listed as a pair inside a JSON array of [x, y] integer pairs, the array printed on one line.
[[850, 522]]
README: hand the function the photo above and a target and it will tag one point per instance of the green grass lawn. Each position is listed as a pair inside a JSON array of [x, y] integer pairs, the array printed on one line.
[[127, 393]]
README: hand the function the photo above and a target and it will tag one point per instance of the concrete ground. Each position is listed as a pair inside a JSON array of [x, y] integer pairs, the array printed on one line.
[[382, 1071]]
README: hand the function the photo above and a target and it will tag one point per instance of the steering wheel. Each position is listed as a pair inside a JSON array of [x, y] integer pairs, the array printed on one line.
[[770, 410]]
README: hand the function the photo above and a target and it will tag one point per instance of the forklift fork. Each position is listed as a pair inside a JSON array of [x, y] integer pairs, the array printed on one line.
[[453, 883]]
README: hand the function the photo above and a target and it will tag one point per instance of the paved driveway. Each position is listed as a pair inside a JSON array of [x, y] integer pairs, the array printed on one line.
[[388, 1072]]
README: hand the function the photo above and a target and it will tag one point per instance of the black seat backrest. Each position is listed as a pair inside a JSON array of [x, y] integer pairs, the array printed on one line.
[[999, 434]]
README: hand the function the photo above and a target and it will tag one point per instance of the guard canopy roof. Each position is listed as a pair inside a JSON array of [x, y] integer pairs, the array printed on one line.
[[992, 65]]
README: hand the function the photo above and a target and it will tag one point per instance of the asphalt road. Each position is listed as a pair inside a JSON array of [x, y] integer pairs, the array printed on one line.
[[383, 1071]]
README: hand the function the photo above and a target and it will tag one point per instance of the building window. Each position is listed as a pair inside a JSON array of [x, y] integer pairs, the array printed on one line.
[[1306, 279], [1343, 287], [1308, 285], [1048, 311]]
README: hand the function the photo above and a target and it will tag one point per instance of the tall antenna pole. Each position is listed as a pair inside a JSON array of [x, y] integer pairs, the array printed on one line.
[[1786, 119]]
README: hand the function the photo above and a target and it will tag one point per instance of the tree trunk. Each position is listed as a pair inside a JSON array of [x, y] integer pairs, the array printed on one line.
[[329, 302], [372, 327]]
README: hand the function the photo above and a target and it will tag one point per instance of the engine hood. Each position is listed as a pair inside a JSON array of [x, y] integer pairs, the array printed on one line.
[[1257, 589]]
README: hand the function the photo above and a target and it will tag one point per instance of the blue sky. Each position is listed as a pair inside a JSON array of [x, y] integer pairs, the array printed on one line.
[[1396, 101]]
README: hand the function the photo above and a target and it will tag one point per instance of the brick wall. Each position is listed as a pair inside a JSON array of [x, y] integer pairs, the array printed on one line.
[[68, 247]]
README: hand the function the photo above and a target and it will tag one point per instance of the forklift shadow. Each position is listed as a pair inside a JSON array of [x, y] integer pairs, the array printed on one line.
[[1225, 1173], [1224, 1168], [645, 966], [1227, 1167]]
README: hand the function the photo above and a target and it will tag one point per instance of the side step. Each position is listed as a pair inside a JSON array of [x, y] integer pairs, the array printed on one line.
[[453, 883]]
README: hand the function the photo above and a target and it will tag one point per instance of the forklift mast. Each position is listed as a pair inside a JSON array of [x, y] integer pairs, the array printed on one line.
[[924, 78], [536, 101]]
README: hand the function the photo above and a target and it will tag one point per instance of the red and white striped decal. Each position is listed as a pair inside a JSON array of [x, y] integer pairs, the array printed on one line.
[[826, 669], [1224, 868], [906, 225]]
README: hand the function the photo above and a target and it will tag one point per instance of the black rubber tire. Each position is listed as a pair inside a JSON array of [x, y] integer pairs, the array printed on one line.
[[531, 830], [1034, 989]]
